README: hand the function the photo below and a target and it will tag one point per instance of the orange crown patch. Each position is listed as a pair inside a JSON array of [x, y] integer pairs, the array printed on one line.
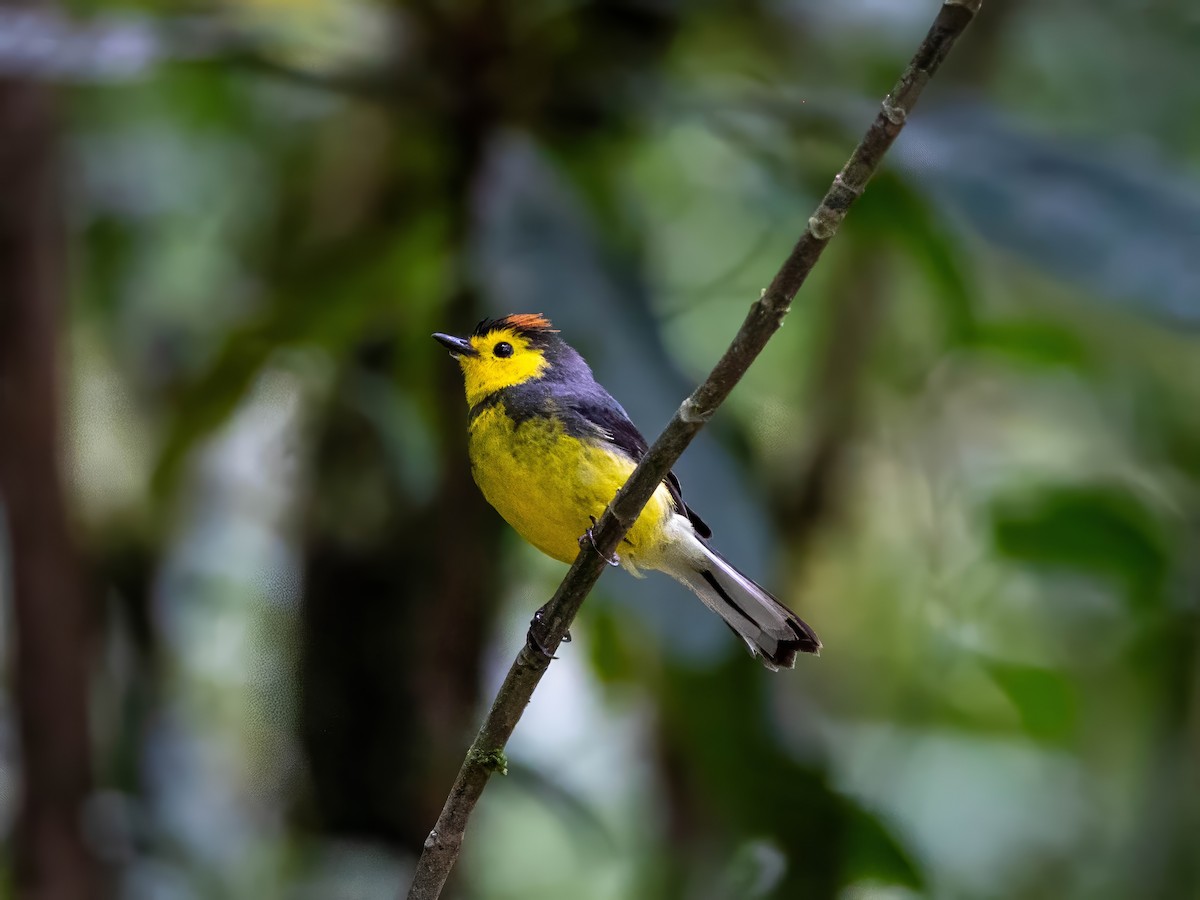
[[528, 322], [524, 323]]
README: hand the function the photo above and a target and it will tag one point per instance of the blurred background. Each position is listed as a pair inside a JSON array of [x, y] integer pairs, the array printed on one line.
[[971, 458]]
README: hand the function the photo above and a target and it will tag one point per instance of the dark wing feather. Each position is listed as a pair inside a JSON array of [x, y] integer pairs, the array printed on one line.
[[596, 414], [698, 523]]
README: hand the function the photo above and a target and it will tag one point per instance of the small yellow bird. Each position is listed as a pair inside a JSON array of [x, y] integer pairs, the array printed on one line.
[[550, 447]]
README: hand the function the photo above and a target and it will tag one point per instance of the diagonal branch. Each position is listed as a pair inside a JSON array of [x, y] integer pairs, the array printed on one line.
[[766, 315]]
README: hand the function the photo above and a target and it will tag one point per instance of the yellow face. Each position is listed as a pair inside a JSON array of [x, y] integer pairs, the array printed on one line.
[[498, 359]]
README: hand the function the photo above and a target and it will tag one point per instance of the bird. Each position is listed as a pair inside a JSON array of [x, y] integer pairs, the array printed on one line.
[[549, 448]]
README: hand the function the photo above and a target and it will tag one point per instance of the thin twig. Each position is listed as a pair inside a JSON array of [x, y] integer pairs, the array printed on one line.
[[486, 754]]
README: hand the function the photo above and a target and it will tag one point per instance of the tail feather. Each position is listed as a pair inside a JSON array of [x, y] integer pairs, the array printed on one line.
[[771, 630]]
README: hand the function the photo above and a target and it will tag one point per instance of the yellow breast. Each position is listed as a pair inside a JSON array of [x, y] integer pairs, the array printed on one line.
[[546, 484]]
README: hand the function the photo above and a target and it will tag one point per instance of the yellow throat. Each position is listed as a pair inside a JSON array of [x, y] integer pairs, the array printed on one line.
[[488, 372]]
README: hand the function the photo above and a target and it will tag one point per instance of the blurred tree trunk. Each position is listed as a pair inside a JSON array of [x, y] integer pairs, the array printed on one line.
[[51, 673], [811, 497], [806, 501], [395, 622], [394, 625]]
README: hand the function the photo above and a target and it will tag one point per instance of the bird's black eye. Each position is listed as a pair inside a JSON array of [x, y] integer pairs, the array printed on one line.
[[503, 349]]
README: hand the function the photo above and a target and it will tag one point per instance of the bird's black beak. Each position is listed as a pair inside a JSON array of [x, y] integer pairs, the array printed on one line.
[[456, 345]]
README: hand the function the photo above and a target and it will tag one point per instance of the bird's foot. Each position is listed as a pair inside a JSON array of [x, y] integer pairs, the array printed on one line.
[[613, 560], [533, 640]]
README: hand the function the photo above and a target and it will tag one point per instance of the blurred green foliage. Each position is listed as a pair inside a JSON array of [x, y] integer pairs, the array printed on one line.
[[305, 602]]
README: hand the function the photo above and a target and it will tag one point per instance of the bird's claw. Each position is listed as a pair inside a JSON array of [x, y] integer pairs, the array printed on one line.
[[613, 560], [534, 642]]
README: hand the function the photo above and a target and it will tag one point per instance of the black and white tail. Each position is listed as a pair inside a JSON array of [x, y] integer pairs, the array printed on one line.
[[771, 630]]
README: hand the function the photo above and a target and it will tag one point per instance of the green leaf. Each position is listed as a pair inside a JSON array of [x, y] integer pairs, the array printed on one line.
[[579, 818], [1034, 342], [1082, 212], [756, 869], [1044, 698], [719, 733], [1102, 530], [894, 212], [873, 853]]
